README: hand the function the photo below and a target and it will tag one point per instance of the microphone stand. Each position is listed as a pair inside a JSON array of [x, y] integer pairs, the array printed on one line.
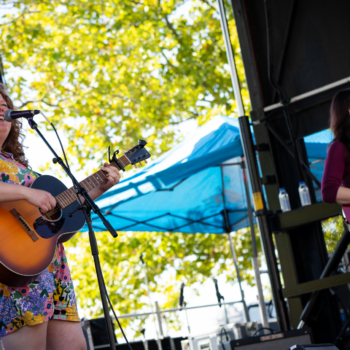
[[144, 267], [86, 208], [183, 306], [220, 297]]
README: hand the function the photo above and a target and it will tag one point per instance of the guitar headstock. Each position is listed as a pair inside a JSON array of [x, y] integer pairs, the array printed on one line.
[[135, 155]]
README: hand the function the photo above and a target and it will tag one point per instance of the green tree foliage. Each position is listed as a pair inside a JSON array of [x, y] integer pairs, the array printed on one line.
[[333, 229], [123, 70], [171, 258], [111, 72]]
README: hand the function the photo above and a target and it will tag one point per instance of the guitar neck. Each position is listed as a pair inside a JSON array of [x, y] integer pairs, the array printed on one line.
[[69, 196]]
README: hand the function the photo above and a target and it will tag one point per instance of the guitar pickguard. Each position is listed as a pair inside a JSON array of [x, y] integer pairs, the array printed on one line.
[[47, 229]]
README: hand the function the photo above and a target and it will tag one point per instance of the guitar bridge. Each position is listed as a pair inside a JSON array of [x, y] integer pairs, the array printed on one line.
[[24, 224]]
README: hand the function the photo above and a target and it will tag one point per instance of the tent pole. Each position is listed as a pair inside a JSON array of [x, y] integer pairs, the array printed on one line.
[[259, 205], [255, 260], [234, 258]]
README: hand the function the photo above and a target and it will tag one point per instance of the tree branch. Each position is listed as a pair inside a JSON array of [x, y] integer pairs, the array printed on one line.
[[210, 5], [194, 116], [172, 29], [166, 58], [16, 19], [42, 101]]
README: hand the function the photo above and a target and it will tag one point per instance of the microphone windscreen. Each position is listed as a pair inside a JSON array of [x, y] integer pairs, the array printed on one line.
[[7, 115]]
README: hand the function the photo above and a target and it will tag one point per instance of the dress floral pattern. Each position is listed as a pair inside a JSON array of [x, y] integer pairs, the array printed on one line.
[[51, 295]]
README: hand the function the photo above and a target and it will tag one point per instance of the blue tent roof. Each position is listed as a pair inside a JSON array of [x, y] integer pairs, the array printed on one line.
[[316, 147], [188, 188]]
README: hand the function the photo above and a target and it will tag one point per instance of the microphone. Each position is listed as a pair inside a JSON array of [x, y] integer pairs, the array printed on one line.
[[11, 115], [181, 298], [141, 258], [218, 295]]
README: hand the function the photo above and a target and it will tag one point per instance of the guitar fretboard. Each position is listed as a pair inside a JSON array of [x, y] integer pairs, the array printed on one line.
[[69, 196]]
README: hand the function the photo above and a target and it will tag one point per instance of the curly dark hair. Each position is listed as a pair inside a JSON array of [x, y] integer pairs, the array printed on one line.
[[14, 141]]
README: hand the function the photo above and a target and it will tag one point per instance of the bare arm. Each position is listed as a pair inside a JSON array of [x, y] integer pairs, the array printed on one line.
[[113, 177], [95, 193], [11, 192], [343, 195], [42, 199]]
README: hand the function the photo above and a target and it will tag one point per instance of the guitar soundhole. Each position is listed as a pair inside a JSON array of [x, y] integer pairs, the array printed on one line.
[[48, 228], [53, 215]]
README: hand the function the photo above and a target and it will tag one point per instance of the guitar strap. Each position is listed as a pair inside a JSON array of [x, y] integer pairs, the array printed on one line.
[[36, 173]]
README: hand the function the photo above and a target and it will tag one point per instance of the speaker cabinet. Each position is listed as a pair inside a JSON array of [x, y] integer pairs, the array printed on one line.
[[276, 341]]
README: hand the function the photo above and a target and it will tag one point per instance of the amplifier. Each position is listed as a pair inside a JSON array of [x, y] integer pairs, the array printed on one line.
[[314, 347], [275, 341], [211, 341]]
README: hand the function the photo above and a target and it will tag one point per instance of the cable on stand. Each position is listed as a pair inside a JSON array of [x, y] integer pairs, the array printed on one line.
[[86, 208]]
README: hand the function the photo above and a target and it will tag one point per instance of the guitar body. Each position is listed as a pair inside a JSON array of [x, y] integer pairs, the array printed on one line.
[[28, 240]]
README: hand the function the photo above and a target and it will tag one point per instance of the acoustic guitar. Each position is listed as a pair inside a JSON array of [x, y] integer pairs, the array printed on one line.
[[28, 238]]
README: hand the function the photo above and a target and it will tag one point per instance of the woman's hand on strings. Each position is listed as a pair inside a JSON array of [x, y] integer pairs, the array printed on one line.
[[45, 201], [112, 175]]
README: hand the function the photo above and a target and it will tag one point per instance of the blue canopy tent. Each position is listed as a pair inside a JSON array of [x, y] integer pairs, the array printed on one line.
[[316, 147], [189, 188]]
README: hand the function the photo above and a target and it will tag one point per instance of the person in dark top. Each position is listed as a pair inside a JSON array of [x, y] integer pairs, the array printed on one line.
[[336, 175]]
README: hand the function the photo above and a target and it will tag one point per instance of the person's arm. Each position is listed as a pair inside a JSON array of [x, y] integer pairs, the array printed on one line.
[[334, 168], [343, 195], [45, 201], [41, 199], [113, 177], [95, 193]]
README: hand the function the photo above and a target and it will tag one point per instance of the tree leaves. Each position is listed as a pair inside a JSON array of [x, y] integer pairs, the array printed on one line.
[[333, 229], [121, 70], [171, 258]]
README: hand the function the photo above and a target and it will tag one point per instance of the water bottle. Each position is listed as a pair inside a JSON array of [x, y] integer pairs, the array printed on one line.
[[284, 200], [304, 194]]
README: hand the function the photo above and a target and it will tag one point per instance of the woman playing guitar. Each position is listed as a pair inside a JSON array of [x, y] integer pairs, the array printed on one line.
[[47, 305], [336, 175]]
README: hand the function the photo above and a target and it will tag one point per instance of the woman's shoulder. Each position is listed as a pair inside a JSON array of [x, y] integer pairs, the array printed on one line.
[[335, 146], [338, 152]]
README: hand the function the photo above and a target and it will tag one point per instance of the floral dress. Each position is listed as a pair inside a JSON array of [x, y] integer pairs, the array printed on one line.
[[51, 296]]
